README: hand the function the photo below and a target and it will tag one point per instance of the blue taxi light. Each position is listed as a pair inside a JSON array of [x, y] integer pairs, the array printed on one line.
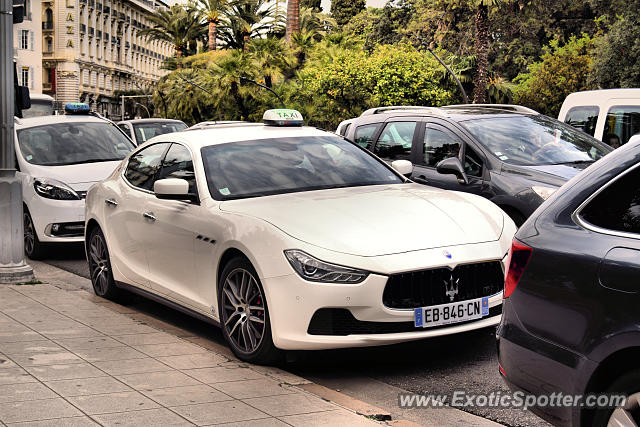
[[282, 117], [77, 108]]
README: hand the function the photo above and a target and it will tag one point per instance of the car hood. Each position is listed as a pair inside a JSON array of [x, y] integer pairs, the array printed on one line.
[[79, 177], [378, 220]]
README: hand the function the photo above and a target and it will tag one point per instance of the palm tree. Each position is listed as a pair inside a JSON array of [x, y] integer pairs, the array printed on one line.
[[248, 19], [482, 48], [293, 18], [177, 25], [271, 56], [212, 10]]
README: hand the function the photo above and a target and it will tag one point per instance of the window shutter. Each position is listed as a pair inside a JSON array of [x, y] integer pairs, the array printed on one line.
[[19, 39], [31, 73], [31, 39]]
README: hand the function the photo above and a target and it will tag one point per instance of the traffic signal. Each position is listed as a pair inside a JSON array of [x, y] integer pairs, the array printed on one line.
[[18, 11]]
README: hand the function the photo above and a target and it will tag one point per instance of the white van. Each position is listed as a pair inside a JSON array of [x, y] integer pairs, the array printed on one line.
[[41, 105], [604, 113]]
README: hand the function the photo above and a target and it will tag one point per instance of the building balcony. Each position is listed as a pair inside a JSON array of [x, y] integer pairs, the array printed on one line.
[[47, 25]]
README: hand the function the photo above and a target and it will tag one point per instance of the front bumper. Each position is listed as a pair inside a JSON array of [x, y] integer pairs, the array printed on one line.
[[68, 214], [294, 301]]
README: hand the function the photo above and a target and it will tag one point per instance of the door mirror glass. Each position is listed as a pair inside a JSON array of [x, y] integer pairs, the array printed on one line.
[[173, 189], [404, 167], [452, 166]]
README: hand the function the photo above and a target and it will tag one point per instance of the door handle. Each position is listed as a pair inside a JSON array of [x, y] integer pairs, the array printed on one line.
[[149, 216], [111, 202]]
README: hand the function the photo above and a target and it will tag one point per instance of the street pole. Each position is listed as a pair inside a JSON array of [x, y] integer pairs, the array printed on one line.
[[122, 107], [13, 268]]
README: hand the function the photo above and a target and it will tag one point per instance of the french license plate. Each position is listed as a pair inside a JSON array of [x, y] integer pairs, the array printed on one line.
[[445, 314]]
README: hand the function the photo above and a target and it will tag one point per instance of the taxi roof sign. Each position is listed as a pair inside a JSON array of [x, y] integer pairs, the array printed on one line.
[[282, 117], [77, 108]]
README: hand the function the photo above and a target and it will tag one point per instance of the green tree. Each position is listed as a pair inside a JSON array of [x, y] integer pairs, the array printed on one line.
[[311, 4], [177, 25], [248, 19], [618, 53], [563, 70], [344, 10]]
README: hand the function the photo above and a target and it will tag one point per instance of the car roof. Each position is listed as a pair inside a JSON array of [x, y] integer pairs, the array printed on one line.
[[593, 97], [63, 118], [455, 112], [215, 135], [151, 120]]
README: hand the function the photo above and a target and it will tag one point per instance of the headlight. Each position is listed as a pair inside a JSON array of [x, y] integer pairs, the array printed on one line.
[[544, 192], [54, 189], [312, 269]]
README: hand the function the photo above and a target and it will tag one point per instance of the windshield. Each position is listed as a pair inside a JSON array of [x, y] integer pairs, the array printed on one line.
[[148, 130], [74, 142], [286, 165], [535, 140]]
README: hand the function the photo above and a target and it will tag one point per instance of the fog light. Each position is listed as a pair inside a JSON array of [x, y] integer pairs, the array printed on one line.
[[55, 228]]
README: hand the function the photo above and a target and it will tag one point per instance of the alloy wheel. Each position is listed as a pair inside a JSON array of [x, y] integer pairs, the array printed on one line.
[[243, 310], [99, 264], [627, 415], [29, 234]]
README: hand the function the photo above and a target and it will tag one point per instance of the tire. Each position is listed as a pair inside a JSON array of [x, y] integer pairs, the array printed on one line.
[[33, 248], [248, 335], [100, 267], [629, 385]]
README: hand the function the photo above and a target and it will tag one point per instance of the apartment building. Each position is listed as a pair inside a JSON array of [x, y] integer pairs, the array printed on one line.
[[27, 47], [92, 49]]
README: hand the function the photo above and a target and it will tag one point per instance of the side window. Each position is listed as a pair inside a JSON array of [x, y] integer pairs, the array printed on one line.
[[472, 162], [179, 164], [617, 207], [363, 135], [345, 129], [622, 122], [144, 165], [395, 141], [439, 145], [583, 118]]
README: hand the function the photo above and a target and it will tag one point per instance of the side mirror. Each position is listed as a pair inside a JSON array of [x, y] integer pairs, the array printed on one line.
[[453, 166], [404, 167], [173, 189]]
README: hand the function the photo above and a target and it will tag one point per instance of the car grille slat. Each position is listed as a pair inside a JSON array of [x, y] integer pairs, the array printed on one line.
[[429, 287]]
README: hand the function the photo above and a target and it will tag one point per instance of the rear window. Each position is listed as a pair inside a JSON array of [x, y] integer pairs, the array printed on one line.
[[145, 131], [583, 118], [623, 121]]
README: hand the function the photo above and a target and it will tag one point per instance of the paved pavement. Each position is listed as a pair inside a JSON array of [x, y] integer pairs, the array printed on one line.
[[70, 358], [375, 374]]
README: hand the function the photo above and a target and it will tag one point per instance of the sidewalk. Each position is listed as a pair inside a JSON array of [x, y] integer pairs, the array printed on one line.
[[69, 358]]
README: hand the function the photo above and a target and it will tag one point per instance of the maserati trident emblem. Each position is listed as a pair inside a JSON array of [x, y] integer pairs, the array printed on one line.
[[451, 287]]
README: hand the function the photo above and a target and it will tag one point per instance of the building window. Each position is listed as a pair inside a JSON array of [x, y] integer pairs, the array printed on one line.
[[24, 39], [49, 43], [25, 76]]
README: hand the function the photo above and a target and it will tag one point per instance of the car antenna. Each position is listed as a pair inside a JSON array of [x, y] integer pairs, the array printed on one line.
[[246, 79]]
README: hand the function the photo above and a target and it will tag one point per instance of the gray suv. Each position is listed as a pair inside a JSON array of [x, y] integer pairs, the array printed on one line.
[[509, 154]]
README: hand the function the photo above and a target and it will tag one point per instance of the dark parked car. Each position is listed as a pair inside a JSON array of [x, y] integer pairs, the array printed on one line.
[[507, 153], [571, 321], [140, 130]]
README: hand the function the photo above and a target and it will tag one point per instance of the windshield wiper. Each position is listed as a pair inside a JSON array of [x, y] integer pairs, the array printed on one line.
[[89, 161], [573, 162]]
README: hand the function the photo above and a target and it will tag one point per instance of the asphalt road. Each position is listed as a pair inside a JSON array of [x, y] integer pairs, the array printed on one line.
[[436, 366]]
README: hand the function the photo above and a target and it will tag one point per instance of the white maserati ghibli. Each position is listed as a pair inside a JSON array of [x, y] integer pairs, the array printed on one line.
[[290, 237]]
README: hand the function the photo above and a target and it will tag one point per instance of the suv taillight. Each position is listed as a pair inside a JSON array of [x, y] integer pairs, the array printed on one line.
[[519, 256]]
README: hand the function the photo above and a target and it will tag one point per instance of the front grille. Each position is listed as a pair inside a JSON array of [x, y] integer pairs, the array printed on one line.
[[340, 322], [442, 285]]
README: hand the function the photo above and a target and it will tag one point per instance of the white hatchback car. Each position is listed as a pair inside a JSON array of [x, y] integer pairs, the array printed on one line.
[[295, 238], [59, 158]]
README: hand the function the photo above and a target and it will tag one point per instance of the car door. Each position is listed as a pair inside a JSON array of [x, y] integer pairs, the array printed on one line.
[[172, 243], [127, 230], [437, 143]]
